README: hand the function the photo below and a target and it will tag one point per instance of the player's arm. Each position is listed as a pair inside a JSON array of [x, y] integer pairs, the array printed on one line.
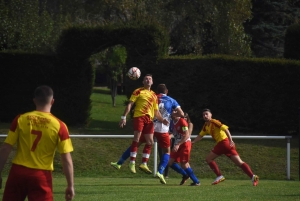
[[160, 118], [179, 112], [229, 137], [191, 126], [122, 122], [67, 163], [185, 136], [4, 153], [198, 138]]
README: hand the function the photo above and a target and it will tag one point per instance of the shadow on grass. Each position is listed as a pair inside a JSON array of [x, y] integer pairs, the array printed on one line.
[[101, 90], [97, 127]]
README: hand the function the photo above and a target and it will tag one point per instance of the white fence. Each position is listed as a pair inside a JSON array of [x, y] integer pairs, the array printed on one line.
[[288, 145]]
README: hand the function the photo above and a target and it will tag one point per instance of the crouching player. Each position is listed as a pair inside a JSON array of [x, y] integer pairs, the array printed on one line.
[[182, 148]]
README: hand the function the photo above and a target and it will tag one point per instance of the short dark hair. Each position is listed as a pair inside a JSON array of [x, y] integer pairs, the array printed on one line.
[[206, 110], [148, 75], [43, 94], [161, 89]]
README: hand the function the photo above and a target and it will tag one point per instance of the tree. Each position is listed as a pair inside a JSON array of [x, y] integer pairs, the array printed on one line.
[[28, 26], [112, 62], [267, 28]]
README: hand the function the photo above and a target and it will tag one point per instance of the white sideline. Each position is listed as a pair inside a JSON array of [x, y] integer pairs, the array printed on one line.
[[288, 147]]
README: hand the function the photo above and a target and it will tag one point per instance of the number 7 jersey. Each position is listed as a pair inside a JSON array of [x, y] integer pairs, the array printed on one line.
[[38, 135]]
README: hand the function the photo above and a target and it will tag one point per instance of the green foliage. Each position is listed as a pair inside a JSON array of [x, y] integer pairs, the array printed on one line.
[[26, 26], [292, 42], [268, 25]]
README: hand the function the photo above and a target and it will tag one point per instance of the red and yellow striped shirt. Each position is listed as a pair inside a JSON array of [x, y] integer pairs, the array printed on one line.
[[37, 135], [146, 102], [216, 129]]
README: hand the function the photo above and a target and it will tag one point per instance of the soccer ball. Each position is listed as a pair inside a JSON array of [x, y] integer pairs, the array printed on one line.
[[134, 73]]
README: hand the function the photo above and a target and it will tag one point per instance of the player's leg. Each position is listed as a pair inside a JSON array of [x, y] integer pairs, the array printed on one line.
[[40, 188], [214, 167], [184, 157], [138, 125], [163, 140], [16, 184], [147, 132], [124, 157], [173, 163], [245, 167], [187, 168]]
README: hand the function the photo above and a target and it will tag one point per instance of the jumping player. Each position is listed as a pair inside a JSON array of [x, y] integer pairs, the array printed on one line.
[[146, 107]]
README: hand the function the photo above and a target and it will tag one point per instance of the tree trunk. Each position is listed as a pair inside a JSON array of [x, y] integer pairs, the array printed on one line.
[[113, 89]]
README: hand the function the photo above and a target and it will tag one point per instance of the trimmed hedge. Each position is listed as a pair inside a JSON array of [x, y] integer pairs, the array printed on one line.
[[69, 72], [292, 42], [249, 95]]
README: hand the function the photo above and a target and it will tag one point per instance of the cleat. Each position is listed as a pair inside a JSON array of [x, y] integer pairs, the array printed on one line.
[[132, 167], [218, 180], [255, 179], [195, 184], [115, 165], [184, 178], [145, 168], [161, 178]]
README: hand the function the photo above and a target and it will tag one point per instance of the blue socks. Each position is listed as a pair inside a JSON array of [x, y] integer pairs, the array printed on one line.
[[163, 163], [190, 172], [124, 156], [178, 169]]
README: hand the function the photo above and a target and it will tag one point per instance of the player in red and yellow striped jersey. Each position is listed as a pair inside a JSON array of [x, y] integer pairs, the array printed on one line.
[[225, 145], [37, 134], [146, 107]]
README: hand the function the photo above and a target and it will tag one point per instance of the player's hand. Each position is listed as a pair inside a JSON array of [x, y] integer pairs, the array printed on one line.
[[232, 144], [175, 148], [122, 123], [165, 122], [69, 193]]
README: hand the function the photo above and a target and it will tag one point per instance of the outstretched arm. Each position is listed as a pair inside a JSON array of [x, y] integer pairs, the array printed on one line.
[[198, 138], [67, 163], [4, 153]]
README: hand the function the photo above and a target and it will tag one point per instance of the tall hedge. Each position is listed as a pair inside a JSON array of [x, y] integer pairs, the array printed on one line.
[[69, 71], [292, 42], [250, 95]]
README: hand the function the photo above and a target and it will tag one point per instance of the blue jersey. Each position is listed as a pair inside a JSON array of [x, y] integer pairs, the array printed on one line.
[[166, 105]]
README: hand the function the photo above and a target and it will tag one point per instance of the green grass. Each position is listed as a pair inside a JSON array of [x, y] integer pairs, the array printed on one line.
[[149, 189], [96, 180]]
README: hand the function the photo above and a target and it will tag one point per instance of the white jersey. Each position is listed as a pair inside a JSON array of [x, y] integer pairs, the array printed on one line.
[[165, 104]]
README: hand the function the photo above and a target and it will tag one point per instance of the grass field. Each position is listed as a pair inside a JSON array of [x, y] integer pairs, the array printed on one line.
[[95, 179], [149, 189]]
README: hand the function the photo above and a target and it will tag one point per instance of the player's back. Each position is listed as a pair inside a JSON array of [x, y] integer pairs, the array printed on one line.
[[38, 136]]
